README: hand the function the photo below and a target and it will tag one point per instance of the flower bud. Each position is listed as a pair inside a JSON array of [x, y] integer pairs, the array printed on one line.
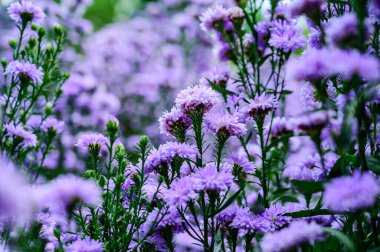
[[41, 32], [12, 43]]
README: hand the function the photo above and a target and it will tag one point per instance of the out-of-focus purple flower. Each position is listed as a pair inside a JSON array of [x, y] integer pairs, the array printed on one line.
[[67, 190], [85, 245], [181, 191], [90, 141], [53, 125], [313, 121], [286, 36], [342, 30], [25, 10], [314, 39], [308, 7], [225, 124], [247, 223], [226, 216], [196, 98], [213, 18], [297, 233], [260, 106], [210, 179], [173, 121], [25, 71], [308, 168], [21, 136], [280, 126], [218, 75], [274, 215], [350, 193], [240, 162]]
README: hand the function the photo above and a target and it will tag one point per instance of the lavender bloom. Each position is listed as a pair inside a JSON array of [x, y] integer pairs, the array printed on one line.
[[260, 106], [69, 189], [247, 223], [240, 162], [25, 71], [350, 193], [25, 11], [213, 18], [286, 36], [21, 136], [225, 124], [235, 13], [155, 159], [308, 7], [226, 216], [181, 191], [92, 141], [342, 29], [210, 179], [196, 98], [52, 124], [307, 96], [86, 245], [313, 121], [309, 169], [314, 40], [297, 233], [218, 75], [280, 126], [173, 121], [275, 217]]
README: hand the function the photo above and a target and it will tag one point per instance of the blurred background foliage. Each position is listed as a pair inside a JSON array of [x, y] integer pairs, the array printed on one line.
[[103, 12]]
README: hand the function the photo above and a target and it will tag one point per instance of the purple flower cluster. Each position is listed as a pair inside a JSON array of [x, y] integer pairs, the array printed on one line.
[[25, 71], [25, 10]]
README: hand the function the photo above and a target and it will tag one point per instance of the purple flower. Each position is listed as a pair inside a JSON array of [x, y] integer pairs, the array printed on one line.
[[210, 179], [247, 223], [218, 75], [181, 191], [239, 161], [226, 216], [314, 40], [297, 233], [308, 7], [52, 124], [25, 11], [286, 36], [308, 168], [21, 136], [313, 121], [260, 106], [350, 193], [166, 152], [86, 245], [225, 124], [92, 141], [196, 98], [68, 189], [213, 18], [25, 71], [275, 216], [173, 122], [235, 13], [343, 29], [280, 126]]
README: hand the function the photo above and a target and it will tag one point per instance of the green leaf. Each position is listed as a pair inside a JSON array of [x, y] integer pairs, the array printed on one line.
[[342, 237], [373, 164], [308, 187], [309, 213]]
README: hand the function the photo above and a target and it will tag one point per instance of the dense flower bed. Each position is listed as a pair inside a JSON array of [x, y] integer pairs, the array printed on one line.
[[275, 147]]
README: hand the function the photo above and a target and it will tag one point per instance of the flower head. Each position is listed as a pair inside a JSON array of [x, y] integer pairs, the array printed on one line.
[[247, 223], [181, 191], [240, 163], [286, 36], [92, 142], [210, 179], [213, 18], [52, 124], [350, 193], [275, 216], [196, 98], [260, 106], [25, 11], [226, 216], [21, 136], [308, 7], [309, 168], [313, 121], [280, 126], [297, 233], [86, 245], [225, 124], [174, 122], [25, 71]]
